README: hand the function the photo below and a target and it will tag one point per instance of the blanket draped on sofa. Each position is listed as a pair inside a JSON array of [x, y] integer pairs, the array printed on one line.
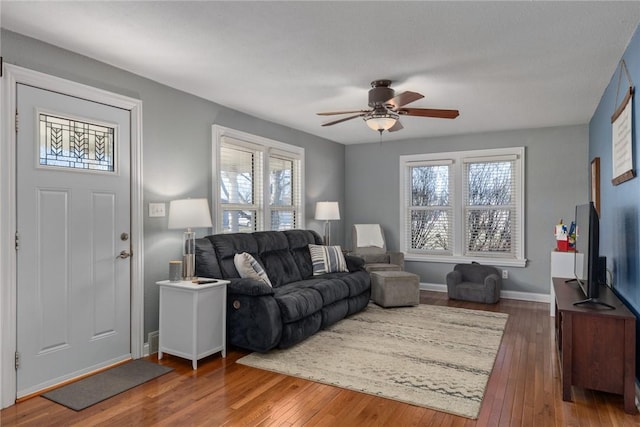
[[261, 317]]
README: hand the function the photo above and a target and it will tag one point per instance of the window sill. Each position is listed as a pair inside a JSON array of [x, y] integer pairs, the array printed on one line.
[[502, 262]]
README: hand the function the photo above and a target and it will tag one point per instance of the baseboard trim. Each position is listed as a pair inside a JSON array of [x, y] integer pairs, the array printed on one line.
[[522, 296], [151, 346]]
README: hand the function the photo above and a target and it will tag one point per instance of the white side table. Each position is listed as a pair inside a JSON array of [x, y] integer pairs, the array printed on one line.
[[192, 319]]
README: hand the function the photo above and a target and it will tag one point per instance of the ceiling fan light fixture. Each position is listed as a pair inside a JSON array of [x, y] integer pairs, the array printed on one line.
[[381, 121]]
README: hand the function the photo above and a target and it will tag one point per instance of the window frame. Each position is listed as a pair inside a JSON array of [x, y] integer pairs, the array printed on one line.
[[267, 148], [458, 160]]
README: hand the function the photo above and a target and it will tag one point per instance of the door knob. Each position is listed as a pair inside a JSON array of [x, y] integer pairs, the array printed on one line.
[[124, 255]]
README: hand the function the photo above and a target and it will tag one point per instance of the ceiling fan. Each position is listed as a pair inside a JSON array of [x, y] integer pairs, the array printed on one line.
[[387, 107]]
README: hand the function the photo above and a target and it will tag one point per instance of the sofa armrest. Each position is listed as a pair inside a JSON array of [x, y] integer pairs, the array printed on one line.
[[253, 322], [492, 281], [354, 263], [396, 258], [453, 279], [250, 287]]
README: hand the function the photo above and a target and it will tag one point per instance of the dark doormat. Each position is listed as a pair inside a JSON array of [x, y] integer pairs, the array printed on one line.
[[96, 388]]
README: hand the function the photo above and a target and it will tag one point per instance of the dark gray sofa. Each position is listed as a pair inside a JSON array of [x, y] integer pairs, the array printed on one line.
[[260, 317]]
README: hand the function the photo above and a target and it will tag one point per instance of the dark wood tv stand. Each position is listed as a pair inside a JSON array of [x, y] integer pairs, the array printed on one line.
[[596, 345]]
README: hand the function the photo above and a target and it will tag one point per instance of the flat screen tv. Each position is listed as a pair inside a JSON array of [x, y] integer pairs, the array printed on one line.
[[588, 243]]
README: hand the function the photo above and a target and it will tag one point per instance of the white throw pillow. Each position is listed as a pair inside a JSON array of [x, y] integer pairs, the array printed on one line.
[[327, 259], [247, 266]]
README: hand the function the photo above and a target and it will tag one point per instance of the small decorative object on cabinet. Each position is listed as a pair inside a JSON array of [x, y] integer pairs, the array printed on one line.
[[193, 318]]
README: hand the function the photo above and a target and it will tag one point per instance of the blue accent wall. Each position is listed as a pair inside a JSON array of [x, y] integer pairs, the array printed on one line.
[[620, 204]]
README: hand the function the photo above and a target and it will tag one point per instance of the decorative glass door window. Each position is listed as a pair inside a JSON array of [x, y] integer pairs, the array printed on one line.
[[75, 144]]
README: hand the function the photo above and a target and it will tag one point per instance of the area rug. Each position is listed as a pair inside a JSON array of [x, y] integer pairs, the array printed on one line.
[[96, 388], [431, 356]]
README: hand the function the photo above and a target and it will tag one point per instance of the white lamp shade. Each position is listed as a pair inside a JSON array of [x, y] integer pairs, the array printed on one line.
[[189, 213], [327, 211]]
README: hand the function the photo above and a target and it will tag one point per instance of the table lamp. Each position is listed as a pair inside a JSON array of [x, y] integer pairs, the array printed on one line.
[[189, 213], [327, 211]]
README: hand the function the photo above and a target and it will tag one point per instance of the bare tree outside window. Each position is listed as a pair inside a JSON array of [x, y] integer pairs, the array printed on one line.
[[463, 206], [237, 189], [281, 173], [430, 208], [258, 182], [489, 206]]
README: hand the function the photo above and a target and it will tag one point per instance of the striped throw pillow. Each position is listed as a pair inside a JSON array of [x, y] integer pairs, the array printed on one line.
[[247, 266], [327, 259]]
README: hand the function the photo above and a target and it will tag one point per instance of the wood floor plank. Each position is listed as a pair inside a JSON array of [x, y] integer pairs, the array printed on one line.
[[524, 389]]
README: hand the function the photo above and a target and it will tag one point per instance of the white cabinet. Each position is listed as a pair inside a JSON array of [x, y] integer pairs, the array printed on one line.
[[192, 319], [562, 265]]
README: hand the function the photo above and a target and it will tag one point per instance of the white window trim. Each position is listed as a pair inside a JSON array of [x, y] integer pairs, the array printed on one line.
[[458, 158], [269, 147]]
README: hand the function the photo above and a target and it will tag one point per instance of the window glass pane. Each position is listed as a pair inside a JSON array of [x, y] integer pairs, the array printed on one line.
[[235, 221], [76, 144], [280, 182], [430, 185], [430, 230], [282, 220], [237, 176], [489, 230], [489, 184]]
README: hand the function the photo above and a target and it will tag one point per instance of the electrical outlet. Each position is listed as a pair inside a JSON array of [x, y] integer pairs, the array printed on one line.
[[157, 210], [505, 274]]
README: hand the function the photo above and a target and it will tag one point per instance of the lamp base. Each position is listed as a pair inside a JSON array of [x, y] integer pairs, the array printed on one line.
[[188, 267], [327, 233], [189, 255]]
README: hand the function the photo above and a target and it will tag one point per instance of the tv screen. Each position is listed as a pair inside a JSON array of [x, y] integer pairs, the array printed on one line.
[[588, 243], [583, 243]]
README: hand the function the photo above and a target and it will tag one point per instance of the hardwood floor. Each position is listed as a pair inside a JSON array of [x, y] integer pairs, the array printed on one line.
[[524, 390]]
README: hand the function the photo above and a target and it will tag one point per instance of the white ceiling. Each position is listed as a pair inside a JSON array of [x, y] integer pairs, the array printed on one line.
[[504, 65]]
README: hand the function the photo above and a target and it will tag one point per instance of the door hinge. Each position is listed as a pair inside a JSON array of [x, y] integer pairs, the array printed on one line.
[[17, 360], [17, 121], [17, 241]]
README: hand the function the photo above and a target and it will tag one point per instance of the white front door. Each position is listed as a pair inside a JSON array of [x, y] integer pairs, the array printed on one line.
[[73, 221]]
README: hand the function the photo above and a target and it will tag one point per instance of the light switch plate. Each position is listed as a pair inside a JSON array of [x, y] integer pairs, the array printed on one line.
[[157, 209]]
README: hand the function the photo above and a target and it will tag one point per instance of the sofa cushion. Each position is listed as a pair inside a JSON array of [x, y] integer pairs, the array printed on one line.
[[278, 262], [299, 241], [248, 267], [227, 245], [206, 260], [330, 290], [327, 259], [296, 302], [357, 281]]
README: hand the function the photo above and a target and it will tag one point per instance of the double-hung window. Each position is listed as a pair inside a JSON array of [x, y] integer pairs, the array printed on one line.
[[463, 206], [258, 183]]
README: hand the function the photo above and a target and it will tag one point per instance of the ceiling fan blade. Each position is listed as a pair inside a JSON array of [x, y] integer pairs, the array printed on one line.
[[344, 119], [396, 127], [403, 99], [334, 113], [429, 112]]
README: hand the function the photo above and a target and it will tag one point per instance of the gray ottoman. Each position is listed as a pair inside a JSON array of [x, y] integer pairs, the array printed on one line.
[[395, 288]]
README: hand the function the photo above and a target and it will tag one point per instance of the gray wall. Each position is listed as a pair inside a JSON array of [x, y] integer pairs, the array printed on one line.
[[556, 180], [177, 148]]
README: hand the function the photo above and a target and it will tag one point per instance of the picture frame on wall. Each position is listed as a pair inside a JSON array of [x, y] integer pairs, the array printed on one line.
[[595, 183]]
